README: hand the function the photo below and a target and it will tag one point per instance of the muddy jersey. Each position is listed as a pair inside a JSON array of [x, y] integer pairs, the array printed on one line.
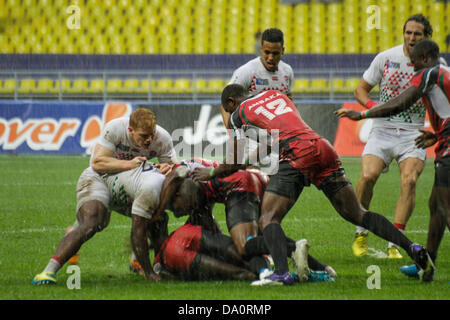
[[392, 70], [255, 78], [135, 191], [435, 85], [115, 137]]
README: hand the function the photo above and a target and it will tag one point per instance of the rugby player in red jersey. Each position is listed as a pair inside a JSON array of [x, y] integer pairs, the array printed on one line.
[[199, 251], [431, 83], [302, 154]]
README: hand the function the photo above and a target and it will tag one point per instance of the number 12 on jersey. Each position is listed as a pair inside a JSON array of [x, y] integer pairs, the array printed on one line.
[[278, 106]]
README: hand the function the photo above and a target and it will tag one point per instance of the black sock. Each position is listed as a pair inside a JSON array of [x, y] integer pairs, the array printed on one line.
[[275, 241], [257, 263], [255, 247], [383, 228], [315, 264]]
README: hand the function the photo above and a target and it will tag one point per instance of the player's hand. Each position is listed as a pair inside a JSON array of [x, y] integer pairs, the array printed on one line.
[[202, 174], [347, 113], [426, 139], [153, 277], [164, 168], [136, 162]]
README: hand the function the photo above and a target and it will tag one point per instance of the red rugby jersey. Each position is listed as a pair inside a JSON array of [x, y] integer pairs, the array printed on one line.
[[434, 83], [272, 110]]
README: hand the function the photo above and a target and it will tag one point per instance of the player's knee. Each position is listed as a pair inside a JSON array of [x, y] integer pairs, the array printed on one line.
[[368, 177], [267, 219], [92, 217], [409, 182]]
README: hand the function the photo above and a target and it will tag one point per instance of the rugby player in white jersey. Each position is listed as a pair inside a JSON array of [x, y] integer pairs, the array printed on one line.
[[392, 137], [120, 179], [266, 72]]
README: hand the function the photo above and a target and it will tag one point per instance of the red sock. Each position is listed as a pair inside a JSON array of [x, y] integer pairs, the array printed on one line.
[[400, 226], [57, 259]]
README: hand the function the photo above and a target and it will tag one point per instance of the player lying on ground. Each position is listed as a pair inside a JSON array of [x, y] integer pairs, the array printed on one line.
[[302, 153], [183, 196], [432, 83]]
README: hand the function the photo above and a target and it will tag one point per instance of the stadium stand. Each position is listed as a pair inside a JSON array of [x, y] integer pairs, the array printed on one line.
[[197, 27]]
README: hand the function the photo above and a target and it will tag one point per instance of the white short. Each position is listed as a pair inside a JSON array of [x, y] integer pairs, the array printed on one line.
[[90, 187], [129, 192], [393, 143]]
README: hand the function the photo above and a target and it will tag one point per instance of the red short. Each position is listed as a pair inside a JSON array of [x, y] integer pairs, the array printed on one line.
[[252, 181], [316, 159], [181, 247]]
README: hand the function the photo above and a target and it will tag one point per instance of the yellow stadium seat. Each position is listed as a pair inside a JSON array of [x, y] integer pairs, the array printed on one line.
[[376, 88], [182, 85], [200, 85], [9, 86], [351, 84], [79, 85], [64, 84], [114, 85], [300, 85], [45, 85], [27, 85], [215, 85], [130, 85], [96, 85], [163, 85], [319, 85], [145, 85], [219, 26], [337, 85]]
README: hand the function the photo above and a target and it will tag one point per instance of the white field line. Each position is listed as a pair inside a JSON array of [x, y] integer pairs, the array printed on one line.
[[172, 224], [44, 229], [37, 183]]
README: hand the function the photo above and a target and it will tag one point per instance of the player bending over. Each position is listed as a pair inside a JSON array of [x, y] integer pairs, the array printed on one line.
[[183, 196], [302, 153]]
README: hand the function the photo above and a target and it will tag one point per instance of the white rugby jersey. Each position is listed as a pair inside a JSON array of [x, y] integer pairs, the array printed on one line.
[[115, 137], [256, 78], [135, 191], [392, 70]]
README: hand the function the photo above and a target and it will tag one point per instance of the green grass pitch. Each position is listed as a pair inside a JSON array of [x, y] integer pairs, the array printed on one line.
[[37, 203]]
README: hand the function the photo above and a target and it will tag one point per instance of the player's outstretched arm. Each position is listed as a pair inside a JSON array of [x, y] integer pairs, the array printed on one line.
[[394, 106], [230, 165]]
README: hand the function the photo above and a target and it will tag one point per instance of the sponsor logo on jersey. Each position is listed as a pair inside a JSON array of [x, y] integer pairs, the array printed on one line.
[[262, 82]]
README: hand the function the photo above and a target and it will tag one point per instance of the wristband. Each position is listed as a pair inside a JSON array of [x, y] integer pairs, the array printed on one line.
[[364, 114], [247, 161], [211, 172], [369, 104]]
